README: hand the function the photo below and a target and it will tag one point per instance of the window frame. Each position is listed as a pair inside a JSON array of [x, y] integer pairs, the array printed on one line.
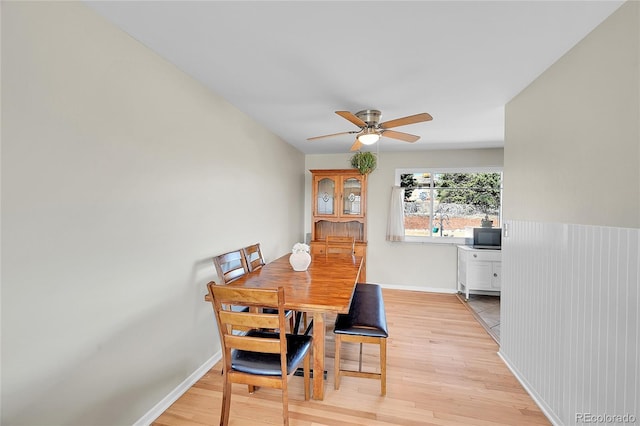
[[436, 170]]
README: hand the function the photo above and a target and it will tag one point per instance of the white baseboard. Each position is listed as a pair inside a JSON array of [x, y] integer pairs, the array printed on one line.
[[555, 421], [423, 289], [179, 390]]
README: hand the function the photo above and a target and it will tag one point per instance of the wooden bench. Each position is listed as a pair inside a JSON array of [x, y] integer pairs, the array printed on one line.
[[365, 323]]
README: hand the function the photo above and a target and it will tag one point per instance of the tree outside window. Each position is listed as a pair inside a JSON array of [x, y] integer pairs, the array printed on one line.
[[450, 204]]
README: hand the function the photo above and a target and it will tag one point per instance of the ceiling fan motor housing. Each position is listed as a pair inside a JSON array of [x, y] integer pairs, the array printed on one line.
[[369, 116]]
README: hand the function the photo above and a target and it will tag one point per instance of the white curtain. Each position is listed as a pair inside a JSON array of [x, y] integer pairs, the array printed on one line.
[[395, 225]]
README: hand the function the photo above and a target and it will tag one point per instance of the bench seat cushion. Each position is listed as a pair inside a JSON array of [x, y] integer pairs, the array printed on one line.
[[366, 315]]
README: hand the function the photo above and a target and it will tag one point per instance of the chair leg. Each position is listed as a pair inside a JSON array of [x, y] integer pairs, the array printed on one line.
[[299, 317], [336, 363], [307, 377], [285, 405], [338, 373], [383, 367], [226, 403]]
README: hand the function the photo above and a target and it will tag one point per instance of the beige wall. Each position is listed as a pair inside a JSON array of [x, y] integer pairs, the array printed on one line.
[[572, 151], [121, 177], [413, 266]]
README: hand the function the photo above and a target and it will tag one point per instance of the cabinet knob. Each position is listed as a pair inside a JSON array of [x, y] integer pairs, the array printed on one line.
[[495, 274], [475, 255]]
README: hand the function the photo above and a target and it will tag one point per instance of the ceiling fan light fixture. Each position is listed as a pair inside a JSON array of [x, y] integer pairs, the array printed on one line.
[[368, 136]]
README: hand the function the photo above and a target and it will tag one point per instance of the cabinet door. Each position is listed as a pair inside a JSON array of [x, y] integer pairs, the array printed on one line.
[[480, 275], [352, 196], [325, 196], [496, 279]]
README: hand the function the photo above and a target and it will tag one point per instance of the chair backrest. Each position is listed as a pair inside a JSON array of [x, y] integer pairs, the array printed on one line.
[[253, 257], [256, 298], [230, 266], [339, 244]]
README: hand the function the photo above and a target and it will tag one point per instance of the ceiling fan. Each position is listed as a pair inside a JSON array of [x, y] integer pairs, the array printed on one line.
[[371, 129]]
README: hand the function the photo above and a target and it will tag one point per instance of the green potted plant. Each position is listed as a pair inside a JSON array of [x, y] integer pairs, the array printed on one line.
[[365, 162], [486, 222]]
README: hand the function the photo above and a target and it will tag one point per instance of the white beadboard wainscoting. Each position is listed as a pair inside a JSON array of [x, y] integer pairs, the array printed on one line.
[[569, 319]]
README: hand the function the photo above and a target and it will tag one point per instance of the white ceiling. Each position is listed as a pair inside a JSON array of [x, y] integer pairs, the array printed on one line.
[[290, 65]]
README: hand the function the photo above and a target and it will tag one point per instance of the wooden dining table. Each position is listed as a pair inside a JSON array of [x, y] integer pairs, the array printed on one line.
[[325, 287]]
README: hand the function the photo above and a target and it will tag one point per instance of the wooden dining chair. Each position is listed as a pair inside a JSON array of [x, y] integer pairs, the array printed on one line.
[[253, 256], [339, 244], [258, 358], [230, 266]]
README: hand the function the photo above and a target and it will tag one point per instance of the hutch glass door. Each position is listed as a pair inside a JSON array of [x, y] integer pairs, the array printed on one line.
[[326, 196], [352, 195]]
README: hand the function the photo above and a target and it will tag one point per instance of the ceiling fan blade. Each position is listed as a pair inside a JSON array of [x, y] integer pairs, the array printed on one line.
[[400, 135], [411, 119], [356, 145], [331, 135], [352, 118]]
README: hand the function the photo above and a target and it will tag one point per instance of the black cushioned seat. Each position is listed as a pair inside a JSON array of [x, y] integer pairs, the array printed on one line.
[[269, 364], [366, 322], [366, 315]]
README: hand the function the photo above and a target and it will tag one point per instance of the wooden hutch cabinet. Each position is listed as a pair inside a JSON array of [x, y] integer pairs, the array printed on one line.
[[339, 200]]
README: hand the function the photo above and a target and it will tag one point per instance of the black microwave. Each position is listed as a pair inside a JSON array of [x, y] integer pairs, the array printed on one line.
[[487, 238]]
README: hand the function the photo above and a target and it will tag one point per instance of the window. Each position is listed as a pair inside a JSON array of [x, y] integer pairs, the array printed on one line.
[[445, 205]]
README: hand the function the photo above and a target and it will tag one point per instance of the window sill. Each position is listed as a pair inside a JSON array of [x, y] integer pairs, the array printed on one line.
[[436, 240]]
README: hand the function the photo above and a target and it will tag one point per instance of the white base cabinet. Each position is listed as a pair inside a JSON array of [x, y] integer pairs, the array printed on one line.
[[479, 270]]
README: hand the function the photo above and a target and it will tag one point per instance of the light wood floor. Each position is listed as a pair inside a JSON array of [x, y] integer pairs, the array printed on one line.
[[442, 369]]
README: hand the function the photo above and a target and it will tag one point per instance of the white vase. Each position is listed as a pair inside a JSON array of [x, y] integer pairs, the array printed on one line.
[[300, 261]]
